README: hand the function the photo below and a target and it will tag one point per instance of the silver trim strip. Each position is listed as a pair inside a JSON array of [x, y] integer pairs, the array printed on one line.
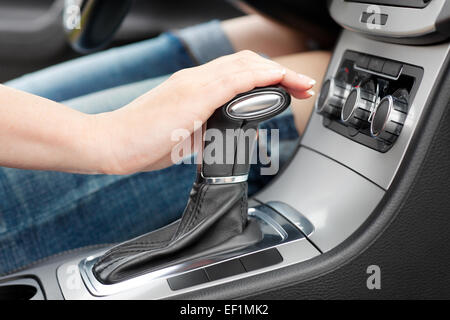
[[224, 180], [277, 231], [296, 218]]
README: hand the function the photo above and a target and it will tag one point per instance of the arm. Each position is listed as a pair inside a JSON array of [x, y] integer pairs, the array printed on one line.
[[36, 133]]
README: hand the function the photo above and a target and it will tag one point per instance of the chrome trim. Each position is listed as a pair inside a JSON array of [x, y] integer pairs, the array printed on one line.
[[255, 105], [377, 73], [224, 180], [276, 229], [393, 123], [364, 102], [338, 92], [295, 217], [391, 104]]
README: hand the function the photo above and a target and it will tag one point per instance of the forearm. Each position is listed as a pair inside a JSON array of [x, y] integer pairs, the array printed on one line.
[[262, 35], [36, 133]]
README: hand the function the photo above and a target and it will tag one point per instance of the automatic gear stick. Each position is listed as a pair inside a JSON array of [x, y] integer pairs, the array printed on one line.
[[215, 217]]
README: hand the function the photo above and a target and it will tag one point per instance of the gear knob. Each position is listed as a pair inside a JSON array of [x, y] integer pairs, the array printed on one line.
[[231, 133], [215, 217]]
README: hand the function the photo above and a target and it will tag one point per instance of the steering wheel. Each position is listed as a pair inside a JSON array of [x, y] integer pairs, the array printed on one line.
[[91, 24]]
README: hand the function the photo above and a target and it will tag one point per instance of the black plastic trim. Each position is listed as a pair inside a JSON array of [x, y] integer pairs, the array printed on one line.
[[396, 3], [363, 135], [248, 263], [406, 235]]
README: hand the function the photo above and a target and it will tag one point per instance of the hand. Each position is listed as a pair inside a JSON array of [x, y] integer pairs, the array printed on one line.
[[137, 137]]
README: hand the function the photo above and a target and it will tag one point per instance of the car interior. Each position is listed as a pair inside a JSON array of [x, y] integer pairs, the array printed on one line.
[[367, 187]]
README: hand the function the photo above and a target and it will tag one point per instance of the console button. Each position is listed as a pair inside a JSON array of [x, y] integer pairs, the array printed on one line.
[[189, 279], [363, 61], [388, 118], [225, 269], [376, 64], [261, 259], [392, 68], [358, 107]]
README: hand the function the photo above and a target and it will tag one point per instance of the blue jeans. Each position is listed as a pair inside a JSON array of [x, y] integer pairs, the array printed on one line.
[[44, 213]]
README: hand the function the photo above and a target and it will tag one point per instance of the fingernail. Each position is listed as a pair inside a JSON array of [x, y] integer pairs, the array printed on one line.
[[280, 71], [310, 80], [310, 92]]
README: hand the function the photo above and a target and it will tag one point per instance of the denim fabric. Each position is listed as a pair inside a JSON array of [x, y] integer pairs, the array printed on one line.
[[206, 41], [43, 213], [107, 69]]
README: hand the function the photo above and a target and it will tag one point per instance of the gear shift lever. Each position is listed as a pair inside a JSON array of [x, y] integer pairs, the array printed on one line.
[[215, 217], [238, 120]]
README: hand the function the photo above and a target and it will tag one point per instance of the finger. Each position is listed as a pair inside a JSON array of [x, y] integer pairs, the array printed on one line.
[[302, 94], [236, 63], [222, 79], [297, 82], [225, 88], [250, 60]]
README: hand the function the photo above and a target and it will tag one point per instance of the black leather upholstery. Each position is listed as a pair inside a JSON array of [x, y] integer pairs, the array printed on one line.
[[215, 218], [214, 214]]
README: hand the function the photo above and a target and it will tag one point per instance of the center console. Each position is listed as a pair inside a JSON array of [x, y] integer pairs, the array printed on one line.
[[377, 90], [368, 100]]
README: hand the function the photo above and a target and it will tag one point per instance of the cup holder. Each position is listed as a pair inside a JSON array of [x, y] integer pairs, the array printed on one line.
[[23, 288], [17, 292]]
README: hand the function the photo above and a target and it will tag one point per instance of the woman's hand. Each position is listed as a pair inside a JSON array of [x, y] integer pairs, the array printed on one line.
[[137, 137]]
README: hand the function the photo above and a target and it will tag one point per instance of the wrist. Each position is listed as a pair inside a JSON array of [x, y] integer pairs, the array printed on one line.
[[110, 144], [95, 145]]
